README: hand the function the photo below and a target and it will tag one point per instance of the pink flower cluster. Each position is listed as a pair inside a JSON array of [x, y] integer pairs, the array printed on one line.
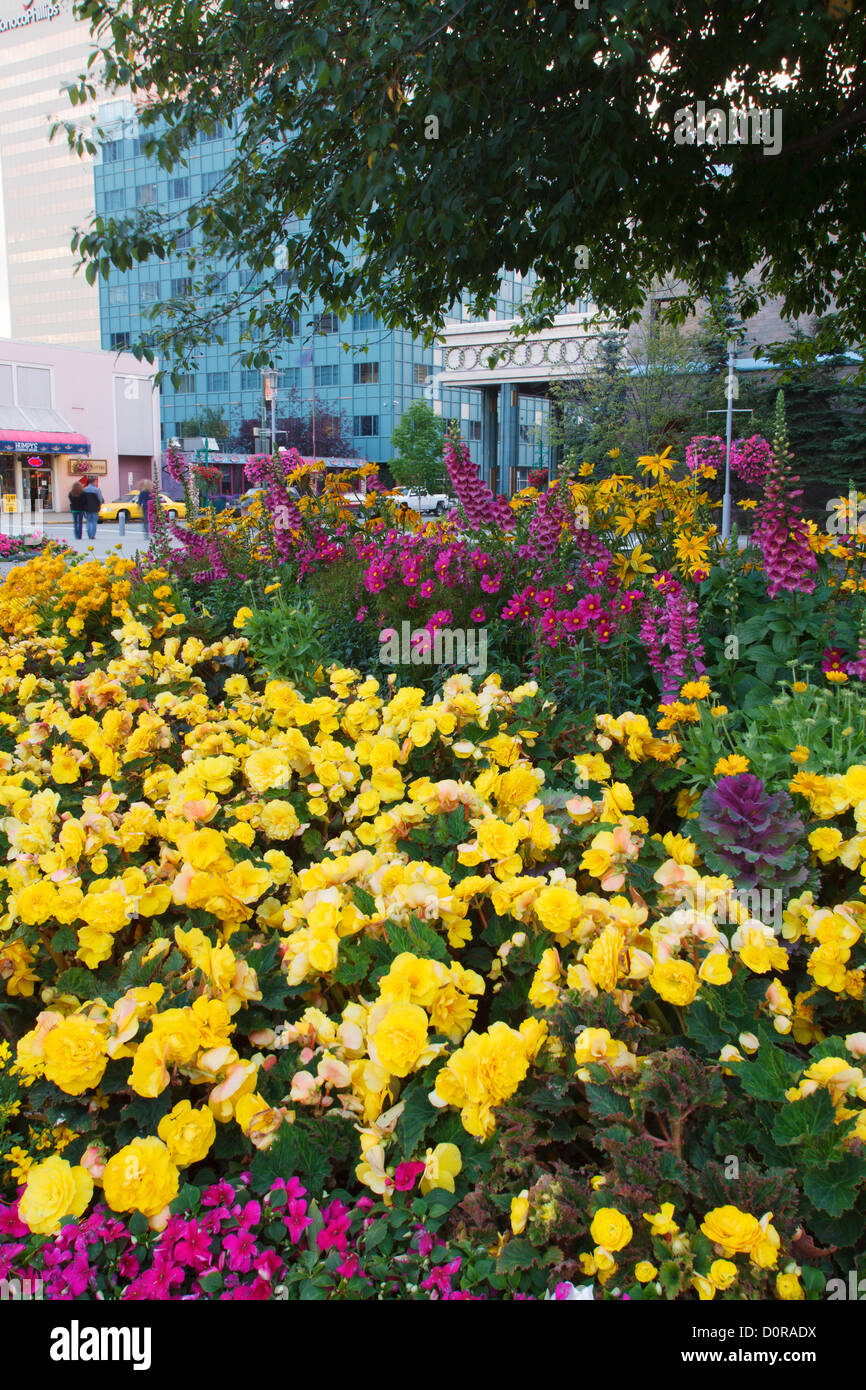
[[559, 615], [751, 458], [271, 474], [545, 525], [421, 563], [479, 504], [705, 451], [235, 1247], [670, 636], [783, 536]]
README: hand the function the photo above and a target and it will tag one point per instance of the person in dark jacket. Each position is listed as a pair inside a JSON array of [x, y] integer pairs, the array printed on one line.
[[144, 499], [77, 506], [93, 500]]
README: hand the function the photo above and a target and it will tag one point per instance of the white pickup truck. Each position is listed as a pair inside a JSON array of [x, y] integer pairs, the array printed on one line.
[[420, 500]]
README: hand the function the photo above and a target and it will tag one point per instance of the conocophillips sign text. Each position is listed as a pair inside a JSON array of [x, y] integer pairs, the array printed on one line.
[[31, 16]]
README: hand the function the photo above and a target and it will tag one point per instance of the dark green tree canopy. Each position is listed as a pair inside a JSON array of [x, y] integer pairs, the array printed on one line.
[[405, 151]]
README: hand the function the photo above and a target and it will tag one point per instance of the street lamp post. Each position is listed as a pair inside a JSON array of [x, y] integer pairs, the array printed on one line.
[[729, 434]]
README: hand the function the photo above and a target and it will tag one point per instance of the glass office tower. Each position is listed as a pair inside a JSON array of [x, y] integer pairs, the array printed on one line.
[[370, 385], [45, 189]]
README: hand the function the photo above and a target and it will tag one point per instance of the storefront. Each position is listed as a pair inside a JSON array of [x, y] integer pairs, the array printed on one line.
[[40, 471]]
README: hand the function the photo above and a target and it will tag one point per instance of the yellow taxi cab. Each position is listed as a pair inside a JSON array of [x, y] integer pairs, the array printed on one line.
[[110, 511]]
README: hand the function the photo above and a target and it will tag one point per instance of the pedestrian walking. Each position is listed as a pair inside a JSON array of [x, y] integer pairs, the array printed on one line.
[[93, 500], [144, 499], [77, 507]]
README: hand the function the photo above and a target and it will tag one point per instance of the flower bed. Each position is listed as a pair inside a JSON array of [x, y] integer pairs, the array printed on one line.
[[346, 987]]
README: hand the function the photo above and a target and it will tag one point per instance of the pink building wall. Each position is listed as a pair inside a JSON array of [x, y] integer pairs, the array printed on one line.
[[106, 396]]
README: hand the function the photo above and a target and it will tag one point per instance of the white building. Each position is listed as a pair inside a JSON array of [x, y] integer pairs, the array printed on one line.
[[46, 190]]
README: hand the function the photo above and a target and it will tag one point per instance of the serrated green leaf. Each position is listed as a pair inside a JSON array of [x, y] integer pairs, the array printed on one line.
[[834, 1188], [805, 1120], [417, 1117]]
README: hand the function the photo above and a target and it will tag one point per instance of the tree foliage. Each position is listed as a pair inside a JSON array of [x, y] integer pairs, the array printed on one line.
[[646, 391], [418, 440], [403, 152]]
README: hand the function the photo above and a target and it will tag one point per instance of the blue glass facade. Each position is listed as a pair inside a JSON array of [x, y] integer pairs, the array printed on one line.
[[371, 385]]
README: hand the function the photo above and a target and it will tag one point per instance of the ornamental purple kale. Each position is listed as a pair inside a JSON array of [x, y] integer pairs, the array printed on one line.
[[755, 837]]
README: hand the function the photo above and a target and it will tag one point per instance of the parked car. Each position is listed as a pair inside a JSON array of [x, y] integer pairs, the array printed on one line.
[[128, 506], [420, 499], [252, 494]]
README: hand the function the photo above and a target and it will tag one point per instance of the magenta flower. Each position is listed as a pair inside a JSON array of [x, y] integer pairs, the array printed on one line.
[[406, 1175]]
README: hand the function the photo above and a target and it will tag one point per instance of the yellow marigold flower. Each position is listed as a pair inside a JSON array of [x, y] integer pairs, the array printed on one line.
[[800, 687], [399, 1037], [610, 1229], [718, 711], [242, 617], [141, 1177], [730, 766], [76, 1055], [675, 981], [734, 1231], [789, 1288], [441, 1166], [187, 1133], [54, 1189], [661, 1223], [519, 1212], [800, 754], [696, 690], [723, 1273]]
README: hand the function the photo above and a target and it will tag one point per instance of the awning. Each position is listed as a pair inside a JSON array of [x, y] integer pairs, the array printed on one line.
[[44, 443]]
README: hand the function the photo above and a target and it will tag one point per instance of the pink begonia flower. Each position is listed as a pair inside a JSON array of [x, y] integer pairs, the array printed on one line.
[[406, 1175]]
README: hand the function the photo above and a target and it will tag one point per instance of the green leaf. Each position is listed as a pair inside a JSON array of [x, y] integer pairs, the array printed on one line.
[[211, 1283], [187, 1199], [301, 1149], [417, 1117], [834, 1188], [418, 938], [770, 1075], [670, 1278], [364, 901], [138, 1225], [805, 1120], [603, 1101], [81, 982], [65, 939], [703, 1025], [517, 1253]]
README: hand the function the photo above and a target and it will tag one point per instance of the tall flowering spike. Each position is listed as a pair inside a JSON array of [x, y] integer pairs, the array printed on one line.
[[546, 523], [179, 468], [160, 545], [671, 638], [783, 537], [271, 474], [479, 504]]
